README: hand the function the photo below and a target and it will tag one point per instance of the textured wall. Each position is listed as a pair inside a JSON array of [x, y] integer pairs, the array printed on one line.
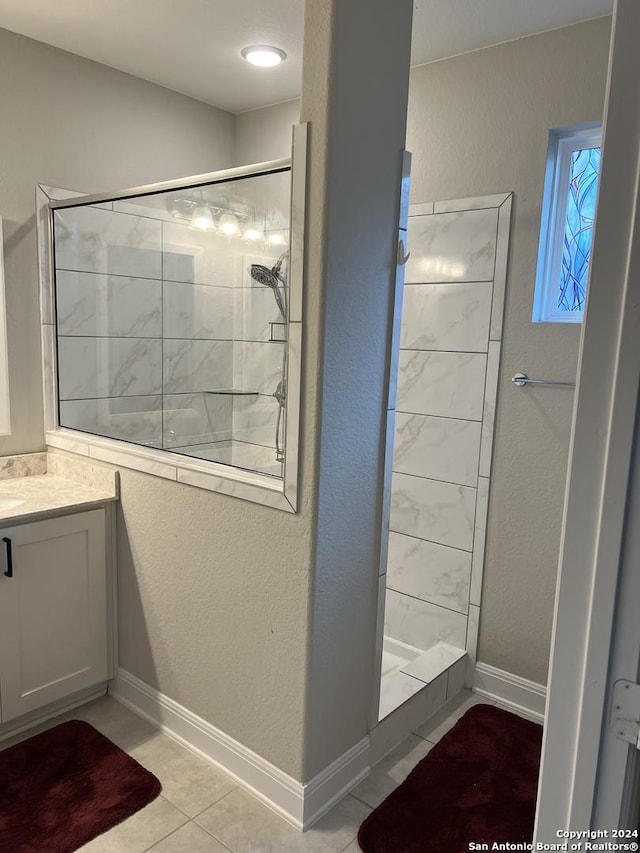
[[478, 124], [265, 134], [76, 124]]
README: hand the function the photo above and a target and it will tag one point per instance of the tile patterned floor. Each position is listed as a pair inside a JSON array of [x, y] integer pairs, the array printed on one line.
[[202, 810]]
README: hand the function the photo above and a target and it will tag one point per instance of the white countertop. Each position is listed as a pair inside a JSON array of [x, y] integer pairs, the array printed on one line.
[[67, 485]]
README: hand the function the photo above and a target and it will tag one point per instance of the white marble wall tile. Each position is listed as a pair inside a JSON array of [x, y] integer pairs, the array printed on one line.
[[113, 306], [49, 376], [254, 309], [255, 418], [192, 366], [446, 317], [452, 247], [145, 207], [251, 457], [438, 512], [428, 571], [502, 261], [257, 366], [472, 203], [445, 384], [489, 413], [191, 419], [197, 311], [422, 624], [457, 678], [434, 662], [473, 629], [137, 419], [437, 448], [109, 367], [90, 239], [395, 689], [421, 209], [477, 564], [199, 257]]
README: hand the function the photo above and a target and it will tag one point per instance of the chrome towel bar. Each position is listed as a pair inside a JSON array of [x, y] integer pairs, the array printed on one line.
[[521, 379]]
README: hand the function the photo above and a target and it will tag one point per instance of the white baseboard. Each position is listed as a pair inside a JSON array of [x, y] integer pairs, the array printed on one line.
[[300, 804], [512, 691]]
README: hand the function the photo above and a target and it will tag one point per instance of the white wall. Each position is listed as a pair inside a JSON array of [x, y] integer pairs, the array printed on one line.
[[478, 125]]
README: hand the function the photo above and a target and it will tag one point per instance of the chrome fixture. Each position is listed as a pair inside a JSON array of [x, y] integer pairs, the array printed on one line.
[[521, 379], [274, 278]]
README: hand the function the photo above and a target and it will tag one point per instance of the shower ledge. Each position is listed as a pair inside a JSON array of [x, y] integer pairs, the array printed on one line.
[[417, 673]]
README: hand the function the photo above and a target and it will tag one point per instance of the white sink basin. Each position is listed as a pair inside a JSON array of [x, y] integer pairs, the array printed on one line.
[[10, 503]]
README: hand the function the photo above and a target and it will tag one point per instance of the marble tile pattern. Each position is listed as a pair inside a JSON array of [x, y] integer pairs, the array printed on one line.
[[199, 257], [428, 509], [419, 622], [43, 494], [257, 366], [446, 400], [92, 304], [81, 472], [91, 239], [446, 317], [197, 311], [136, 419], [254, 419], [445, 384], [23, 465], [191, 366], [434, 662], [437, 448], [109, 367], [151, 314], [196, 419], [429, 571], [459, 246]]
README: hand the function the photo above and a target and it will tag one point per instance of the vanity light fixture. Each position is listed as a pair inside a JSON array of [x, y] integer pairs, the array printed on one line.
[[276, 238], [253, 233], [263, 55], [228, 225], [202, 219]]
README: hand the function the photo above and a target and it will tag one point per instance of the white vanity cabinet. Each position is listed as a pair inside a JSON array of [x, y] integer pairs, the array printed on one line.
[[53, 610]]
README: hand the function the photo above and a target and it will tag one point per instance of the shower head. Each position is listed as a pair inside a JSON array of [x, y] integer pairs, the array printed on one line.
[[272, 278], [268, 277], [263, 275]]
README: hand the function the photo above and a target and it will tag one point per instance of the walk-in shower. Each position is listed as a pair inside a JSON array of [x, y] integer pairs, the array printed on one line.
[[172, 318]]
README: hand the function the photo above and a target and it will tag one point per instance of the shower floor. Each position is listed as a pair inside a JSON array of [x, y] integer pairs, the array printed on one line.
[[407, 670]]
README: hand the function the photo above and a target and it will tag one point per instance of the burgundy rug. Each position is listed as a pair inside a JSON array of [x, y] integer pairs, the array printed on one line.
[[477, 784], [61, 788]]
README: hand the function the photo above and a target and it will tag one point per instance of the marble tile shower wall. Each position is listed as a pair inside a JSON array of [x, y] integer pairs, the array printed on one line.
[[447, 385], [152, 318], [145, 327]]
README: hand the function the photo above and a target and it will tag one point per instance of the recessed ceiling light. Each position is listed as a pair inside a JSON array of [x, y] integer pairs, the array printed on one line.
[[263, 55]]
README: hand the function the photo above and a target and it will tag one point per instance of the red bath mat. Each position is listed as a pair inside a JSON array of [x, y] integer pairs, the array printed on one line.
[[61, 788], [477, 784]]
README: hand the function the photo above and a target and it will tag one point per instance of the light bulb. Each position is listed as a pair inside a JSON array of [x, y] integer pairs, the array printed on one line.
[[276, 238], [202, 219], [253, 232], [228, 225], [263, 55]]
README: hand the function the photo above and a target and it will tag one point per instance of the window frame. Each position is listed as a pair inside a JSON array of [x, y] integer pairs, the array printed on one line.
[[562, 143]]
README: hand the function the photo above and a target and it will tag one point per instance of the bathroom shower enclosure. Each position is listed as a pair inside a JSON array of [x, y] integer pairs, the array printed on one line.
[[172, 324]]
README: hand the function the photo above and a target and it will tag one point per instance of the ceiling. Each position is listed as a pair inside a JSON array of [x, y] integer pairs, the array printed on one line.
[[193, 46]]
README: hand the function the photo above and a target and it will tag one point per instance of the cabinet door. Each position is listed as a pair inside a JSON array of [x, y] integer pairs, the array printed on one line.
[[53, 612]]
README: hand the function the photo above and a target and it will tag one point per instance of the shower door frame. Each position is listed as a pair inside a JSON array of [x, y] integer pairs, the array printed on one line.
[[278, 493]]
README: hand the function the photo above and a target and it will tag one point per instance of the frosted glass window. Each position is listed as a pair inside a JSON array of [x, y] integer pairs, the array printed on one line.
[[566, 232]]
